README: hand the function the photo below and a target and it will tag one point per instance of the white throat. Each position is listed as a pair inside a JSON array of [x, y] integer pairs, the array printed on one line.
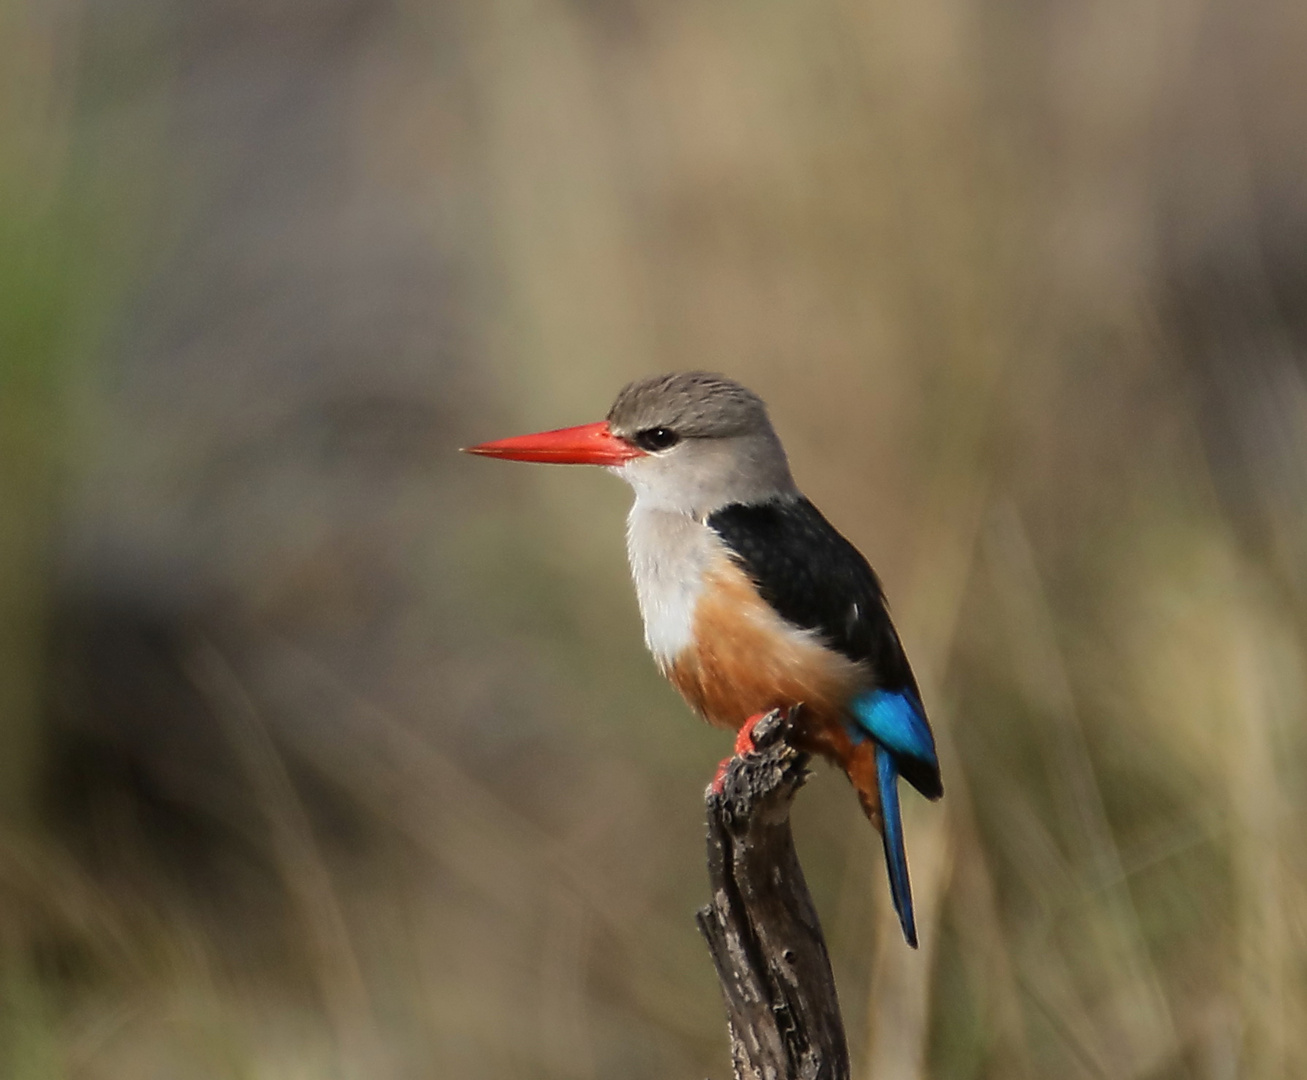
[[669, 552]]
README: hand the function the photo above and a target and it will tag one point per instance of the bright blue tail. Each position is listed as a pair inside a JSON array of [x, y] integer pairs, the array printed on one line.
[[896, 858], [897, 725]]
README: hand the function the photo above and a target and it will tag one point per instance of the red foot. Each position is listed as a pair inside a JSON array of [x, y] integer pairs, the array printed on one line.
[[743, 745]]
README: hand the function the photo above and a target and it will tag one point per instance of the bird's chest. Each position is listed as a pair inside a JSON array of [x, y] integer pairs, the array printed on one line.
[[725, 648], [669, 554]]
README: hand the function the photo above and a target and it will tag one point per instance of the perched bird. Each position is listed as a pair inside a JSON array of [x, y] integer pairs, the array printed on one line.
[[751, 599]]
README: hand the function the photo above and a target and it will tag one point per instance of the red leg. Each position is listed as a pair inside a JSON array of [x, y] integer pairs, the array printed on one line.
[[743, 745], [744, 737]]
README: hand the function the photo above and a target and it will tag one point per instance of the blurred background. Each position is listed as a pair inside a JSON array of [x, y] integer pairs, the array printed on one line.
[[326, 752]]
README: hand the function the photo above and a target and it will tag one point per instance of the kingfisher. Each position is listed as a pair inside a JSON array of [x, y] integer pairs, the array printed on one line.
[[751, 599]]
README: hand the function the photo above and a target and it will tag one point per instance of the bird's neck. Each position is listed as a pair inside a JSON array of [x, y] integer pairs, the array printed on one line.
[[669, 552]]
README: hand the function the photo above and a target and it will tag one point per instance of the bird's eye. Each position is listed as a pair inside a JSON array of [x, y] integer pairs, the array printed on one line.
[[656, 438]]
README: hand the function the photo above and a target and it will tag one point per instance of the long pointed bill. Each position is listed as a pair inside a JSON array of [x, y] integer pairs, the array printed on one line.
[[589, 444]]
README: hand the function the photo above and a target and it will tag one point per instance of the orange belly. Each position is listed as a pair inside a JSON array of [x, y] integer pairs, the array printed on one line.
[[745, 659]]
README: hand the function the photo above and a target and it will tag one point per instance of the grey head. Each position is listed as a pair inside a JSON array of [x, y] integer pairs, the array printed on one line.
[[708, 443]]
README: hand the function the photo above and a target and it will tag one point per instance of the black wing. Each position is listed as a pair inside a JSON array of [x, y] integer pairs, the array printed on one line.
[[816, 579]]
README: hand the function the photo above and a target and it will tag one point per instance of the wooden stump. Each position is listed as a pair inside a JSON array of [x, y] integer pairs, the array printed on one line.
[[782, 1014]]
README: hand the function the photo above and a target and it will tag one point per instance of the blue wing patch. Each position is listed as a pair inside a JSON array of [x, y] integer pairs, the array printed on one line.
[[897, 722]]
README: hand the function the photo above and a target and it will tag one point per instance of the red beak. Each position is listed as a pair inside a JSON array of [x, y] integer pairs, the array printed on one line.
[[589, 444]]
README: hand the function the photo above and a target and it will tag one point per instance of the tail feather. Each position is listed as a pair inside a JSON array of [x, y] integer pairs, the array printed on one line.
[[891, 738], [896, 859]]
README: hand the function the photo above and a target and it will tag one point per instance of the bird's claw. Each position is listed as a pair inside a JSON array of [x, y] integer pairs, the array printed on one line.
[[745, 743]]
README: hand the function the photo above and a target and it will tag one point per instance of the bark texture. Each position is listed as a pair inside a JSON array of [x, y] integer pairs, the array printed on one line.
[[782, 1014]]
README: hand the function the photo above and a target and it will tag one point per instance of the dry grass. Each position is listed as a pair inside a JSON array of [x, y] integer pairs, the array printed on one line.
[[330, 753]]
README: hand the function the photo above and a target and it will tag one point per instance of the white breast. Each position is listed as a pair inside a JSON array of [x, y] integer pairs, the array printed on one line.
[[669, 553]]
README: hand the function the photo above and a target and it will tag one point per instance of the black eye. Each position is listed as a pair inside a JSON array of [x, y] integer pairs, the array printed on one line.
[[656, 438]]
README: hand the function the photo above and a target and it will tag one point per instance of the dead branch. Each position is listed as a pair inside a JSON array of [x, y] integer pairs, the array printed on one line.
[[782, 1014]]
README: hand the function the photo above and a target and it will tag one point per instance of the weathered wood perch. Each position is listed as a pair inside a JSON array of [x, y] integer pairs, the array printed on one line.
[[781, 1010]]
